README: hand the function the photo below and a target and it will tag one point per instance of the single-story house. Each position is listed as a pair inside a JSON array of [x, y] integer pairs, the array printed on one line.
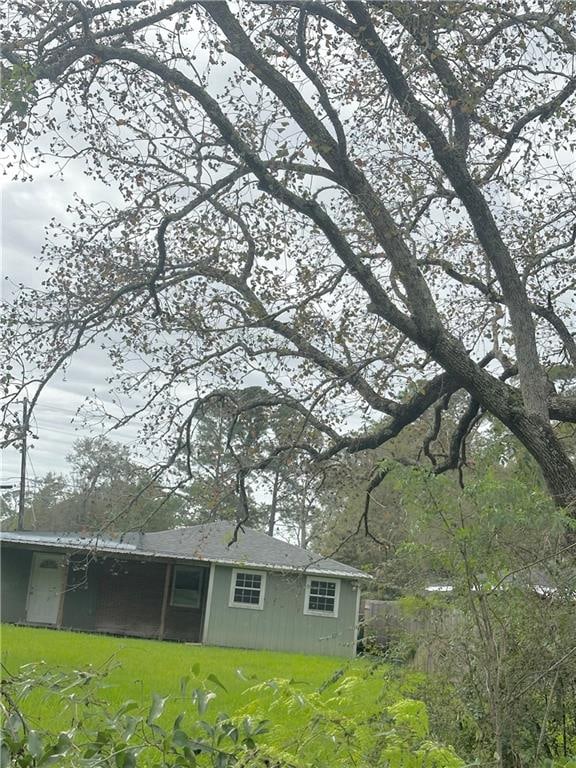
[[189, 584]]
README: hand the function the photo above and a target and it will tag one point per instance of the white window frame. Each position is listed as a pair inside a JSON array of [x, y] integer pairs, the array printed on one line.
[[174, 604], [310, 611], [252, 606]]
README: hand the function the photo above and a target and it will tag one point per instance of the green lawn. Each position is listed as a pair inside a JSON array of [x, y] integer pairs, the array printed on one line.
[[334, 714], [141, 667]]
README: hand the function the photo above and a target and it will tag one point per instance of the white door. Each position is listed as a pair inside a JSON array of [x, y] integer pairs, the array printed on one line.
[[45, 588]]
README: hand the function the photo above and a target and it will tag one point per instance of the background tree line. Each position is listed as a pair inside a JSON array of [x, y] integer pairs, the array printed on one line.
[[478, 573], [107, 488]]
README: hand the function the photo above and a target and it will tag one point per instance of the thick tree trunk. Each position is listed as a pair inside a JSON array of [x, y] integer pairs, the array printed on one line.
[[534, 432], [559, 472]]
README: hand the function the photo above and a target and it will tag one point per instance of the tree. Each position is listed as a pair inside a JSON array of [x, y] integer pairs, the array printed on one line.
[[46, 507], [220, 444], [501, 641], [231, 434], [369, 536], [498, 645], [330, 201], [107, 491]]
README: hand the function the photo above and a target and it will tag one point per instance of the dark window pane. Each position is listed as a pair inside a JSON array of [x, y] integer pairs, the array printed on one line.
[[322, 596], [247, 588], [187, 587], [319, 603], [187, 579]]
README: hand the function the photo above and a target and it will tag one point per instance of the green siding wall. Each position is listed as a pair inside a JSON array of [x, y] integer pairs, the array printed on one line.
[[281, 625], [14, 576], [79, 611]]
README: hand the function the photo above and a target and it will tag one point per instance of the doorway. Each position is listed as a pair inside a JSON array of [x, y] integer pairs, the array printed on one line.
[[47, 583]]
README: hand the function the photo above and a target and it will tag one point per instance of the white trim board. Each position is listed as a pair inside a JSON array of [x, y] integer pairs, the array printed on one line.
[[208, 604]]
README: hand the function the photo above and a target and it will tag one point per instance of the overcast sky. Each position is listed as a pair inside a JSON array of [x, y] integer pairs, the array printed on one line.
[[26, 210]]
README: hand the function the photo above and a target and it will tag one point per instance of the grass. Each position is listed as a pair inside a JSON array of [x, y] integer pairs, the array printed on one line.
[[141, 667]]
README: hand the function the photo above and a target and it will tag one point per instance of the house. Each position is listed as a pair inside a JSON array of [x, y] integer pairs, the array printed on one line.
[[188, 584]]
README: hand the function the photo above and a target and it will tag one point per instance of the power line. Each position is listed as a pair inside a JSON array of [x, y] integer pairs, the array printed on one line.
[[33, 469], [64, 410]]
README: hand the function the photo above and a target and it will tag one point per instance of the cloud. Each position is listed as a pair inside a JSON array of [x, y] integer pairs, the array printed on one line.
[[26, 211]]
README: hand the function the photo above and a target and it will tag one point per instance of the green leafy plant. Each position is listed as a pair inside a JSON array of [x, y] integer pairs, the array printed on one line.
[[19, 93], [331, 734], [126, 737], [498, 641]]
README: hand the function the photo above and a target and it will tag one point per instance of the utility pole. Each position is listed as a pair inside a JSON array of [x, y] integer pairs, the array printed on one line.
[[23, 466]]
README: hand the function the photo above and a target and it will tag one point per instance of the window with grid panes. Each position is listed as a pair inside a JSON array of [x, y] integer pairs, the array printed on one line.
[[322, 597], [248, 589]]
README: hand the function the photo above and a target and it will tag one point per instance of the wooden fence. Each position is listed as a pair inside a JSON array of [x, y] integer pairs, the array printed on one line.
[[418, 635]]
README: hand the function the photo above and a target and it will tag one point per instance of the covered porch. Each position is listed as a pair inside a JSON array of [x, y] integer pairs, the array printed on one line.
[[105, 593]]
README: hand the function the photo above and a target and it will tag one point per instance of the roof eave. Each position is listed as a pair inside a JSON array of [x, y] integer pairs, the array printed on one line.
[[132, 551]]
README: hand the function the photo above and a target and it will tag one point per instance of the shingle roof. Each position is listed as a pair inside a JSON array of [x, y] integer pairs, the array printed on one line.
[[210, 542]]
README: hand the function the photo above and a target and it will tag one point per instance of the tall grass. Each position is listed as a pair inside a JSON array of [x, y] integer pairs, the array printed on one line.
[[139, 668]]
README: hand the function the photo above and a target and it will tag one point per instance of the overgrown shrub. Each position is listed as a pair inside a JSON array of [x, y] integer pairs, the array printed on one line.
[[503, 682], [397, 736]]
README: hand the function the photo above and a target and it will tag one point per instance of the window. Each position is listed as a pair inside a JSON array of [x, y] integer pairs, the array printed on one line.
[[247, 589], [187, 587], [322, 597]]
